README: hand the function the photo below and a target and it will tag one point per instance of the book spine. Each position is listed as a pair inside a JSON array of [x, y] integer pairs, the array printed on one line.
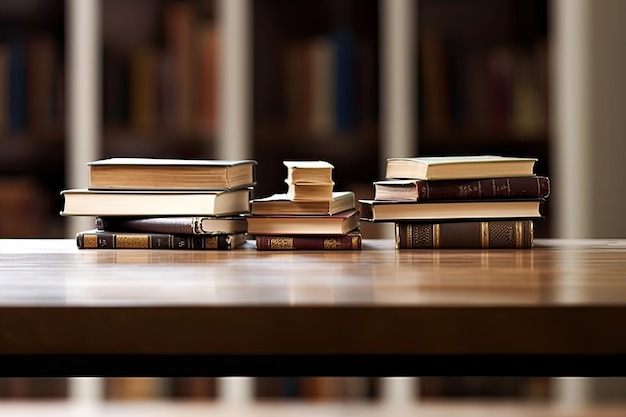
[[509, 234], [347, 242], [515, 187], [116, 240], [166, 225]]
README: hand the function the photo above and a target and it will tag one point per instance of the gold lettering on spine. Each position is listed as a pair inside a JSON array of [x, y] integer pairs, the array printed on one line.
[[409, 235], [211, 242], [436, 236], [137, 242], [332, 243], [281, 243], [484, 235], [355, 242], [519, 234], [531, 229], [90, 241]]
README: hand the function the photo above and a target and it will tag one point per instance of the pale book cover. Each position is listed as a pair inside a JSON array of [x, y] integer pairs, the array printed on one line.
[[309, 172], [282, 204], [458, 167], [310, 191]]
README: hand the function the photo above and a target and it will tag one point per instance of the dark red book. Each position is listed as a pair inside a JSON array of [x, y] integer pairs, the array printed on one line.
[[532, 187], [102, 239], [351, 241], [496, 234]]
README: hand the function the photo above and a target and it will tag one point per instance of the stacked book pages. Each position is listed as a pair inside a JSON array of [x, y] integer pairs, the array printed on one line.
[[146, 203], [462, 202], [310, 215]]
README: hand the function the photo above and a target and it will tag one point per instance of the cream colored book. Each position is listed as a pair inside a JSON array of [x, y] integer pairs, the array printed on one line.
[[282, 204], [313, 191], [317, 172], [457, 167]]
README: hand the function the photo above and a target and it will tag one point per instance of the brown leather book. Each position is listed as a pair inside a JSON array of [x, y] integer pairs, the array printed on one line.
[[417, 190], [507, 234], [102, 239], [351, 241], [197, 225]]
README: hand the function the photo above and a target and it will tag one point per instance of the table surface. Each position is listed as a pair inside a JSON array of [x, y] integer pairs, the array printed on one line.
[[562, 299]]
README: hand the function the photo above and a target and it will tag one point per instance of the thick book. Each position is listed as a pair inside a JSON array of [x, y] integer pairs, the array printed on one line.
[[197, 225], [317, 172], [458, 167], [381, 211], [282, 204], [506, 234], [175, 174], [102, 239], [419, 190], [350, 241], [336, 224], [312, 191], [85, 202]]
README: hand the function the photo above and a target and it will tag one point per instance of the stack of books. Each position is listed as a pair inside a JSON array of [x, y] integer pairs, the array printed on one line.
[[146, 203], [465, 202], [310, 215]]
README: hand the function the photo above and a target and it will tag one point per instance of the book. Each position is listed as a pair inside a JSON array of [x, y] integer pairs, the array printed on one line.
[[507, 234], [459, 167], [418, 190], [317, 172], [196, 225], [281, 204], [304, 191], [350, 241], [85, 202], [376, 210], [336, 224], [175, 174], [103, 239]]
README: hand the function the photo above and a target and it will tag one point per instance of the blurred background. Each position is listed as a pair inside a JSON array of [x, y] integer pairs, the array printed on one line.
[[346, 81]]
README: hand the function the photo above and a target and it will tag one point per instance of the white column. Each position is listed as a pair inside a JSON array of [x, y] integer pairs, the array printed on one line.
[[83, 97], [397, 83], [235, 391], [234, 84], [570, 137], [399, 391]]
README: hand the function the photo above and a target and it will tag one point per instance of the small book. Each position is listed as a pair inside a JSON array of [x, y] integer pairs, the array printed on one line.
[[333, 225], [281, 204], [386, 211], [174, 174], [506, 234], [459, 167], [350, 241], [102, 239], [197, 225], [306, 191], [84, 202], [419, 190], [317, 172]]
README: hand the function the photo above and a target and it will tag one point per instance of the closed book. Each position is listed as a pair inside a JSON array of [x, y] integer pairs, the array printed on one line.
[[459, 167], [322, 192], [282, 204], [381, 211], [175, 174], [351, 241], [309, 172], [336, 224], [506, 234], [102, 239], [419, 190], [196, 225], [84, 202]]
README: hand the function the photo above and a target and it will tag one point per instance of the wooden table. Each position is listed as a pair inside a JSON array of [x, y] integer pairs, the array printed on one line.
[[558, 309]]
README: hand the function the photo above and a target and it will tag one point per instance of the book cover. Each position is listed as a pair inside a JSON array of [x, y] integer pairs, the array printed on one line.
[[419, 190], [282, 204], [196, 225], [381, 211], [309, 172], [310, 191], [336, 224], [102, 239], [176, 174], [459, 167], [507, 234], [350, 241], [85, 202]]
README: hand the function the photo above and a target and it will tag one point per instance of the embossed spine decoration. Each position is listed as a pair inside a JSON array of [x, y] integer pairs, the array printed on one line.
[[120, 240], [509, 234], [351, 241]]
